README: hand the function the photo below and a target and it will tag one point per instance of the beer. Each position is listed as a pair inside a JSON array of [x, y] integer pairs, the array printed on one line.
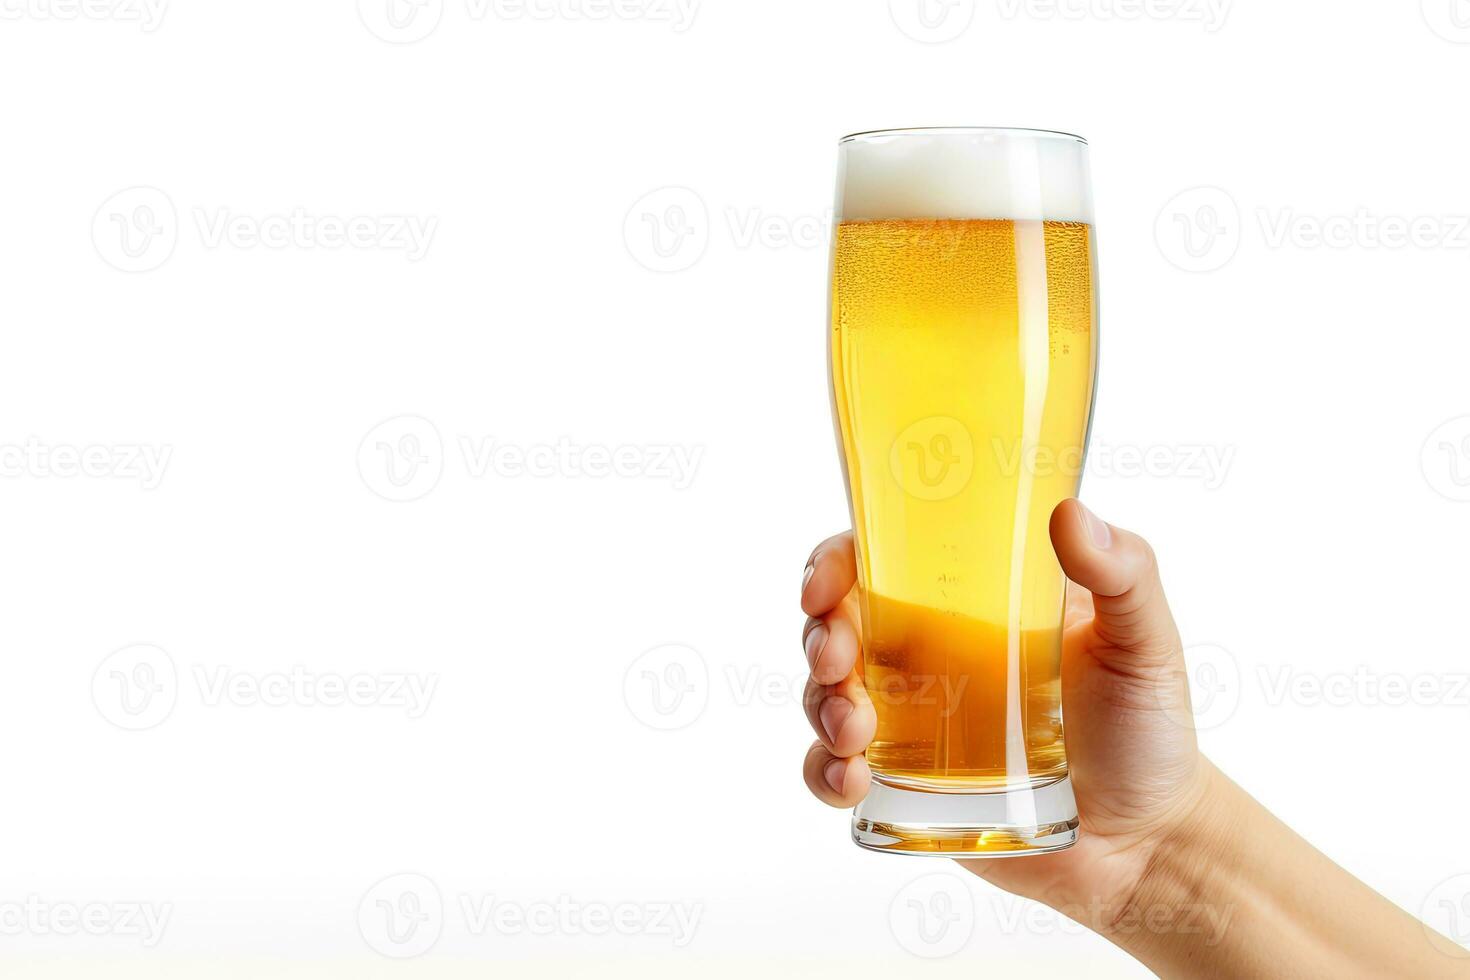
[[962, 371], [951, 494]]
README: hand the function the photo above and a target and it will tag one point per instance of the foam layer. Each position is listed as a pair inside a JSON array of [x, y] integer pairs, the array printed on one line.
[[964, 173]]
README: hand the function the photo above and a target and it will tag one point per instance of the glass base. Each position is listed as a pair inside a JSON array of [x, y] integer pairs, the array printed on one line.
[[1003, 823]]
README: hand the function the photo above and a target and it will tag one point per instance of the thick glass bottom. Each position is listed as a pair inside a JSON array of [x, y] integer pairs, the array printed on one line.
[[1002, 823]]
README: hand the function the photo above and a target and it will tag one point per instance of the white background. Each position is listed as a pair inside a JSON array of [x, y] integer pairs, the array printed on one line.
[[1332, 540]]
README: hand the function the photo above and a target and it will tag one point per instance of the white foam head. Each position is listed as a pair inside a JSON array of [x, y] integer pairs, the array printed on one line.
[[1020, 174]]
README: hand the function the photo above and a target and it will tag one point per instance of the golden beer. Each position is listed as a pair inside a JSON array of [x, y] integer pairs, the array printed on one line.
[[962, 370]]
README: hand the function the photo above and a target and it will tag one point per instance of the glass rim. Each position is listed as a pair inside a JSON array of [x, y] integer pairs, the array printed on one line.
[[958, 130]]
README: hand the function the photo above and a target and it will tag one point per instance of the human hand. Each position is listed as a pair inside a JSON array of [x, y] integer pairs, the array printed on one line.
[[1135, 767]]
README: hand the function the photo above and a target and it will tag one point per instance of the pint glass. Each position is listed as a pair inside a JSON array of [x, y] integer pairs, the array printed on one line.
[[963, 356]]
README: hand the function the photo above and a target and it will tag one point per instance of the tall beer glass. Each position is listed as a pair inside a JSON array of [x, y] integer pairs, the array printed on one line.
[[963, 356]]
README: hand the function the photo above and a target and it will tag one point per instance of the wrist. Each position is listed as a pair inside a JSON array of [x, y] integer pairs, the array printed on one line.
[[1181, 897]]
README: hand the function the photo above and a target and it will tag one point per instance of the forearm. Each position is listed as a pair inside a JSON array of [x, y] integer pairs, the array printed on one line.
[[1235, 893]]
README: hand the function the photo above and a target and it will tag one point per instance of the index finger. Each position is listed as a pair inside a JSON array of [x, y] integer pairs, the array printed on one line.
[[830, 574]]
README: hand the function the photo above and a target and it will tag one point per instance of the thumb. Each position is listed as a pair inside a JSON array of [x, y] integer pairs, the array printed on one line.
[[1131, 615]]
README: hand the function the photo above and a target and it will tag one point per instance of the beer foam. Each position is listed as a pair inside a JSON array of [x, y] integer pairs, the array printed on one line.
[[1016, 174]]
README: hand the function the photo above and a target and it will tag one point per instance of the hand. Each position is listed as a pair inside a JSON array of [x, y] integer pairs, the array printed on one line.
[[1175, 863], [1136, 771]]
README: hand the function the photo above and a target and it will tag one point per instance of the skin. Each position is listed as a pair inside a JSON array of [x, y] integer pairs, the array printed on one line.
[[1175, 863]]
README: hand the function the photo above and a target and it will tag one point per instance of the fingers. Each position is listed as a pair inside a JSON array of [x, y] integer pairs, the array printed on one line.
[[834, 781], [830, 574], [832, 647], [837, 706], [842, 715], [1131, 615]]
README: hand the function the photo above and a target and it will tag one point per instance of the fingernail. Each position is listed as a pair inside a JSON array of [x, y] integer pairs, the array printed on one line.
[[806, 576], [1097, 529], [834, 712], [816, 641], [835, 774]]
